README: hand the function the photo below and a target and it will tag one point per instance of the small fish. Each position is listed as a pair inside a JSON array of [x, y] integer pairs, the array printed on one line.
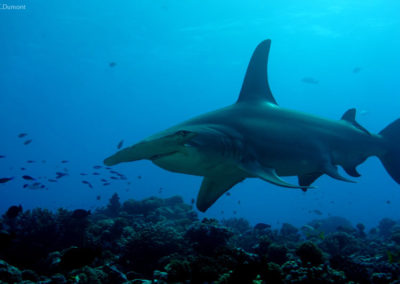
[[83, 174], [113, 178], [388, 202], [52, 180], [356, 70], [31, 161], [317, 212], [160, 190], [60, 175], [88, 183], [106, 183], [139, 177], [108, 168], [43, 161], [64, 161], [80, 213], [4, 180], [119, 146], [29, 141], [35, 186], [114, 172], [25, 185], [103, 180], [98, 197], [28, 177], [310, 80], [234, 212], [192, 201], [112, 64], [2, 156], [22, 135], [228, 194], [97, 167], [13, 211], [96, 174], [23, 169]]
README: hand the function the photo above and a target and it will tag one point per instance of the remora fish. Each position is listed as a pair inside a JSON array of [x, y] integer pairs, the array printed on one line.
[[256, 138]]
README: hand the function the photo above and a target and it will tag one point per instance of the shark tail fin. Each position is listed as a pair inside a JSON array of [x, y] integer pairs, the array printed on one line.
[[391, 158]]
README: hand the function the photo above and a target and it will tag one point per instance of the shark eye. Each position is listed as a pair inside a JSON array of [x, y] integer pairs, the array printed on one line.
[[183, 133]]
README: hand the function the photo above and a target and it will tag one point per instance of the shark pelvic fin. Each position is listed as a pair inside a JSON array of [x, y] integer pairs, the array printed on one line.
[[308, 179], [255, 87], [212, 188], [350, 117], [255, 169]]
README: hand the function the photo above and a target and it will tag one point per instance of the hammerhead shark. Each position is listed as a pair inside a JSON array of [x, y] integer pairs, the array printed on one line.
[[256, 138]]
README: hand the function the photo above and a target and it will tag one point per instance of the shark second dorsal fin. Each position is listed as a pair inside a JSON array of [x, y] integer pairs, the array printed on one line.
[[350, 117], [255, 86]]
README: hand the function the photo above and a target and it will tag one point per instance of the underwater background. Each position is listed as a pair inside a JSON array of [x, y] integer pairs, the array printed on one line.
[[78, 79]]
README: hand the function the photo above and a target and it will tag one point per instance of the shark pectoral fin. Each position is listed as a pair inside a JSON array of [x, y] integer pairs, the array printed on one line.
[[308, 179], [351, 171], [333, 172], [255, 169], [212, 188]]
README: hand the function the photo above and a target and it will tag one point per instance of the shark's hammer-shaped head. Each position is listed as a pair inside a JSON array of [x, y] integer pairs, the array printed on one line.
[[155, 147]]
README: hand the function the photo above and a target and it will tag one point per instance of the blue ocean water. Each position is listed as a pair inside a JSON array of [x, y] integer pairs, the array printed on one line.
[[172, 60]]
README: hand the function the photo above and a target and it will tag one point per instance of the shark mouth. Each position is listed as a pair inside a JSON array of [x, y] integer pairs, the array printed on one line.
[[159, 156]]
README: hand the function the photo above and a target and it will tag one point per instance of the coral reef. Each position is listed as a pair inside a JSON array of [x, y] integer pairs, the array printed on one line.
[[163, 241]]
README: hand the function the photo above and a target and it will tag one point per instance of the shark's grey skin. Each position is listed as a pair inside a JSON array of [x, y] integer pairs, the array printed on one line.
[[256, 138]]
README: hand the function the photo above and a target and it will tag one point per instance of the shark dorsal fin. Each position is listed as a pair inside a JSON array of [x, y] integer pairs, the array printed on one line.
[[350, 117], [255, 86]]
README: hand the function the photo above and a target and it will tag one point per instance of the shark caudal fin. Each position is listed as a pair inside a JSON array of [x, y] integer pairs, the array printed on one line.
[[391, 159]]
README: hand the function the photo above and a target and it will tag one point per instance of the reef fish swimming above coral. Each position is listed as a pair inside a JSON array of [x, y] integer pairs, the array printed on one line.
[[257, 138]]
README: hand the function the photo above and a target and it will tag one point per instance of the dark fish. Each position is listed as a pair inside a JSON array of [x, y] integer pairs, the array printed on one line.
[[139, 177], [88, 183], [28, 142], [25, 185], [80, 213], [113, 178], [112, 64], [228, 194], [13, 211], [103, 180], [98, 197], [239, 202], [234, 212], [52, 180], [192, 201], [64, 161], [388, 202], [262, 226], [106, 183], [160, 190], [119, 146], [97, 167], [4, 180], [31, 161], [2, 156], [108, 168], [28, 178], [83, 174], [310, 80], [316, 211], [96, 174], [22, 135], [114, 172], [122, 177], [23, 169], [356, 70], [35, 186], [60, 175], [74, 257]]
